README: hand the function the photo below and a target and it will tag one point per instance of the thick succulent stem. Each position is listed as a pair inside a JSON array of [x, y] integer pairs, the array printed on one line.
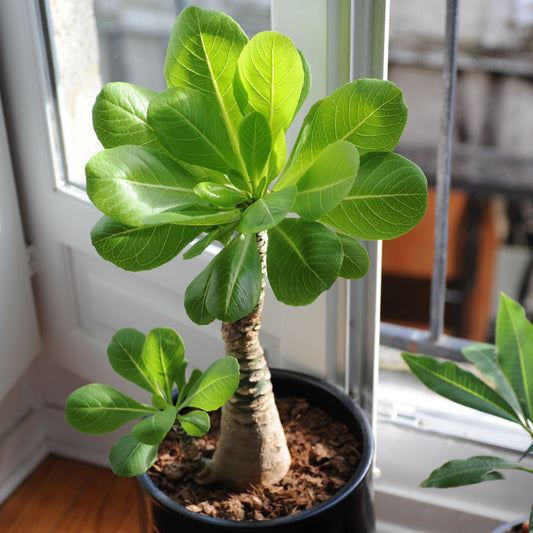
[[252, 447], [191, 454]]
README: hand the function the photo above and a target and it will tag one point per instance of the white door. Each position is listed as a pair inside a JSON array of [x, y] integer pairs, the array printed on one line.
[[18, 326], [82, 299]]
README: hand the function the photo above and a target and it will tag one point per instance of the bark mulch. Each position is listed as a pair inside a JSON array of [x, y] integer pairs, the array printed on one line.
[[324, 455]]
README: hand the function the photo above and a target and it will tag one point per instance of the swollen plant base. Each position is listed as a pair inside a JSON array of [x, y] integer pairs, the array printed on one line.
[[349, 510], [324, 454]]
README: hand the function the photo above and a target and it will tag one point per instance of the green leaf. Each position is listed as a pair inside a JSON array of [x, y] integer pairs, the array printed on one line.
[[163, 355], [204, 217], [355, 262], [514, 340], [527, 452], [270, 78], [306, 87], [255, 143], [119, 116], [125, 356], [388, 198], [369, 113], [458, 385], [235, 283], [129, 457], [304, 259], [467, 472], [159, 402], [266, 212], [129, 183], [136, 249], [195, 423], [189, 125], [153, 429], [196, 296], [196, 374], [278, 158], [212, 235], [327, 181], [97, 409], [215, 386], [485, 358], [219, 195], [202, 54]]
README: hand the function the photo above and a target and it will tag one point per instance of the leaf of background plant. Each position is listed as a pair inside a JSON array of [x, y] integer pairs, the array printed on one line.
[[270, 77], [215, 386], [195, 423], [119, 116], [235, 283], [514, 340], [202, 54], [369, 113], [189, 125], [125, 356], [97, 408], [327, 181], [129, 457], [153, 429], [304, 259], [255, 143], [485, 358], [527, 452], [387, 199], [219, 195], [136, 249], [204, 217], [196, 295], [355, 262], [266, 212], [458, 385], [128, 183], [164, 357], [467, 471]]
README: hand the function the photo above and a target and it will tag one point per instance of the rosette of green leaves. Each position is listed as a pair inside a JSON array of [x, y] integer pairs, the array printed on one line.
[[156, 363], [506, 391], [206, 160]]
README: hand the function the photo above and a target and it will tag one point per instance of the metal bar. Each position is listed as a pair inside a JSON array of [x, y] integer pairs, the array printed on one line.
[[419, 341], [369, 47], [443, 179]]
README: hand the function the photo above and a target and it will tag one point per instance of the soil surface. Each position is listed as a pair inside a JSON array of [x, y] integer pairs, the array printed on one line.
[[324, 455]]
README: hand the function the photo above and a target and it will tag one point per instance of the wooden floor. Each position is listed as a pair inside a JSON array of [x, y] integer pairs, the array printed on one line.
[[64, 496]]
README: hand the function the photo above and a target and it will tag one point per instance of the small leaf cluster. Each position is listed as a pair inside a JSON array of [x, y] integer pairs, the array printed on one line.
[[506, 391], [206, 161], [157, 364]]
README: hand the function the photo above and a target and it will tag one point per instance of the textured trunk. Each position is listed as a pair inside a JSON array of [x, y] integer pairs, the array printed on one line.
[[252, 447]]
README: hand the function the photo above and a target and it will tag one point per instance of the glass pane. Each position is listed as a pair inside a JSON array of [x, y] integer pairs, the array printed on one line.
[[491, 213], [99, 41]]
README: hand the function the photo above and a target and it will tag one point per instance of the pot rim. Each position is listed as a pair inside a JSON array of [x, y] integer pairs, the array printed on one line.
[[363, 469], [504, 528]]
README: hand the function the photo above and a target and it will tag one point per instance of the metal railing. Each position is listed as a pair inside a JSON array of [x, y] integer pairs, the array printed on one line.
[[434, 341]]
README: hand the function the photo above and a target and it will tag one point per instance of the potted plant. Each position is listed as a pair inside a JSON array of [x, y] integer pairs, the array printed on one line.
[[505, 389], [205, 162]]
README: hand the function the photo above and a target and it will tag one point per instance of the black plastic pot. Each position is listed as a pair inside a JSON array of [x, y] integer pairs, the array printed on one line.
[[350, 510], [510, 527]]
